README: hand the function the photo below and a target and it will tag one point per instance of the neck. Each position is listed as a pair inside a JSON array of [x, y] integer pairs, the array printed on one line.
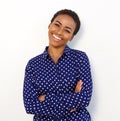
[[55, 53]]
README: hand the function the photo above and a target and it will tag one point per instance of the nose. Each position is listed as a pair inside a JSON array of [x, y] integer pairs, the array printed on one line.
[[60, 30]]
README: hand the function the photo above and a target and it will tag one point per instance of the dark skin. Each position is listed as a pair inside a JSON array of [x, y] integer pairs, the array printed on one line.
[[60, 32]]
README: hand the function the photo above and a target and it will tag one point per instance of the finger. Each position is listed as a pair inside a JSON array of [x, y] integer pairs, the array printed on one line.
[[78, 86], [80, 82]]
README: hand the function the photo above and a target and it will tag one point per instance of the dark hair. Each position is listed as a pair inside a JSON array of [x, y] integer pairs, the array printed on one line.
[[71, 14]]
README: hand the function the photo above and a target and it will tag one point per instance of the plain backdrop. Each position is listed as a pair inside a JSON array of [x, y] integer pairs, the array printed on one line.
[[23, 35]]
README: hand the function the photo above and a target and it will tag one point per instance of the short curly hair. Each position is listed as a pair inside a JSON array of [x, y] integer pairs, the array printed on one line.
[[71, 14]]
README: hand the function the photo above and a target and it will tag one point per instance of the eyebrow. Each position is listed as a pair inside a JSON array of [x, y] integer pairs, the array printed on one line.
[[66, 26]]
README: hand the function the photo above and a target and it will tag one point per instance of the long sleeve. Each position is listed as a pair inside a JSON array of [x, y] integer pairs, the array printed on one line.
[[58, 81], [30, 95], [72, 99]]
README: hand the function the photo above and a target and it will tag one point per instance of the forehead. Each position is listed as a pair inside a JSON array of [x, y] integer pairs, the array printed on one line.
[[65, 20]]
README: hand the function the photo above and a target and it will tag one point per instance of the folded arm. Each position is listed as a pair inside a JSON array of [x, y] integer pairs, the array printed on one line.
[[30, 95], [81, 97], [48, 103]]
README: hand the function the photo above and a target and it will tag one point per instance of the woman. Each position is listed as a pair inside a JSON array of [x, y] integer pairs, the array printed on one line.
[[57, 83]]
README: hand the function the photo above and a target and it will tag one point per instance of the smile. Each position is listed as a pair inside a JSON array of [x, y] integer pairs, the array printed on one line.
[[56, 37]]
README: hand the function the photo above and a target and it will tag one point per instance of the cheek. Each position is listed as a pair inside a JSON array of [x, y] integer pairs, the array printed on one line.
[[50, 31], [51, 28], [69, 37]]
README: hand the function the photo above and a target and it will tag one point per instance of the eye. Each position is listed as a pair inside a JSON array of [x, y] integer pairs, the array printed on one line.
[[56, 24], [68, 31]]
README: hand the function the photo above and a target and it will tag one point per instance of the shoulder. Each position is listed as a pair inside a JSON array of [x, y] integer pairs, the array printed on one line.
[[35, 60], [79, 54], [80, 57]]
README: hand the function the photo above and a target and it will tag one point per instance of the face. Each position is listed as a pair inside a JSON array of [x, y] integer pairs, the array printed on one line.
[[61, 31]]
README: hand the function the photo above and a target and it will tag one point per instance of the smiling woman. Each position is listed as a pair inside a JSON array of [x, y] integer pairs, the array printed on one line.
[[60, 32], [58, 83]]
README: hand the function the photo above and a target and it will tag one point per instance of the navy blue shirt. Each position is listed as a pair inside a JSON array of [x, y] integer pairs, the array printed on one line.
[[58, 82]]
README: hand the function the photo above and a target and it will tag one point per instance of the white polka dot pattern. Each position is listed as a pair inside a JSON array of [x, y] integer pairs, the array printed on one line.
[[58, 81]]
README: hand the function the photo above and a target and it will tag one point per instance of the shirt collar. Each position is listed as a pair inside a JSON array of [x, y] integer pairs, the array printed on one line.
[[66, 52], [45, 53]]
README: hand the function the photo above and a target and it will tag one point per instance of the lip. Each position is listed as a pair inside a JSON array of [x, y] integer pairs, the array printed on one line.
[[56, 37]]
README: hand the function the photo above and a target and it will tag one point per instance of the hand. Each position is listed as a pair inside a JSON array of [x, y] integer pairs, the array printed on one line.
[[73, 110], [77, 89], [41, 97], [78, 86]]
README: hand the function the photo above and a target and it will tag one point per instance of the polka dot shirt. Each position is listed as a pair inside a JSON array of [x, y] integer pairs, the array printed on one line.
[[58, 81]]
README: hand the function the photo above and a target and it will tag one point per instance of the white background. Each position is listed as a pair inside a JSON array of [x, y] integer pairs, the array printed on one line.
[[23, 35]]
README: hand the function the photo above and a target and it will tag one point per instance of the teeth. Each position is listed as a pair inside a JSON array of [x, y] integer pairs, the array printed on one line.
[[56, 37]]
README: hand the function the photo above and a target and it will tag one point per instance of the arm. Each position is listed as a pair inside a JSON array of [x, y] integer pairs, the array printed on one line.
[[31, 94], [33, 102], [77, 89], [75, 99]]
